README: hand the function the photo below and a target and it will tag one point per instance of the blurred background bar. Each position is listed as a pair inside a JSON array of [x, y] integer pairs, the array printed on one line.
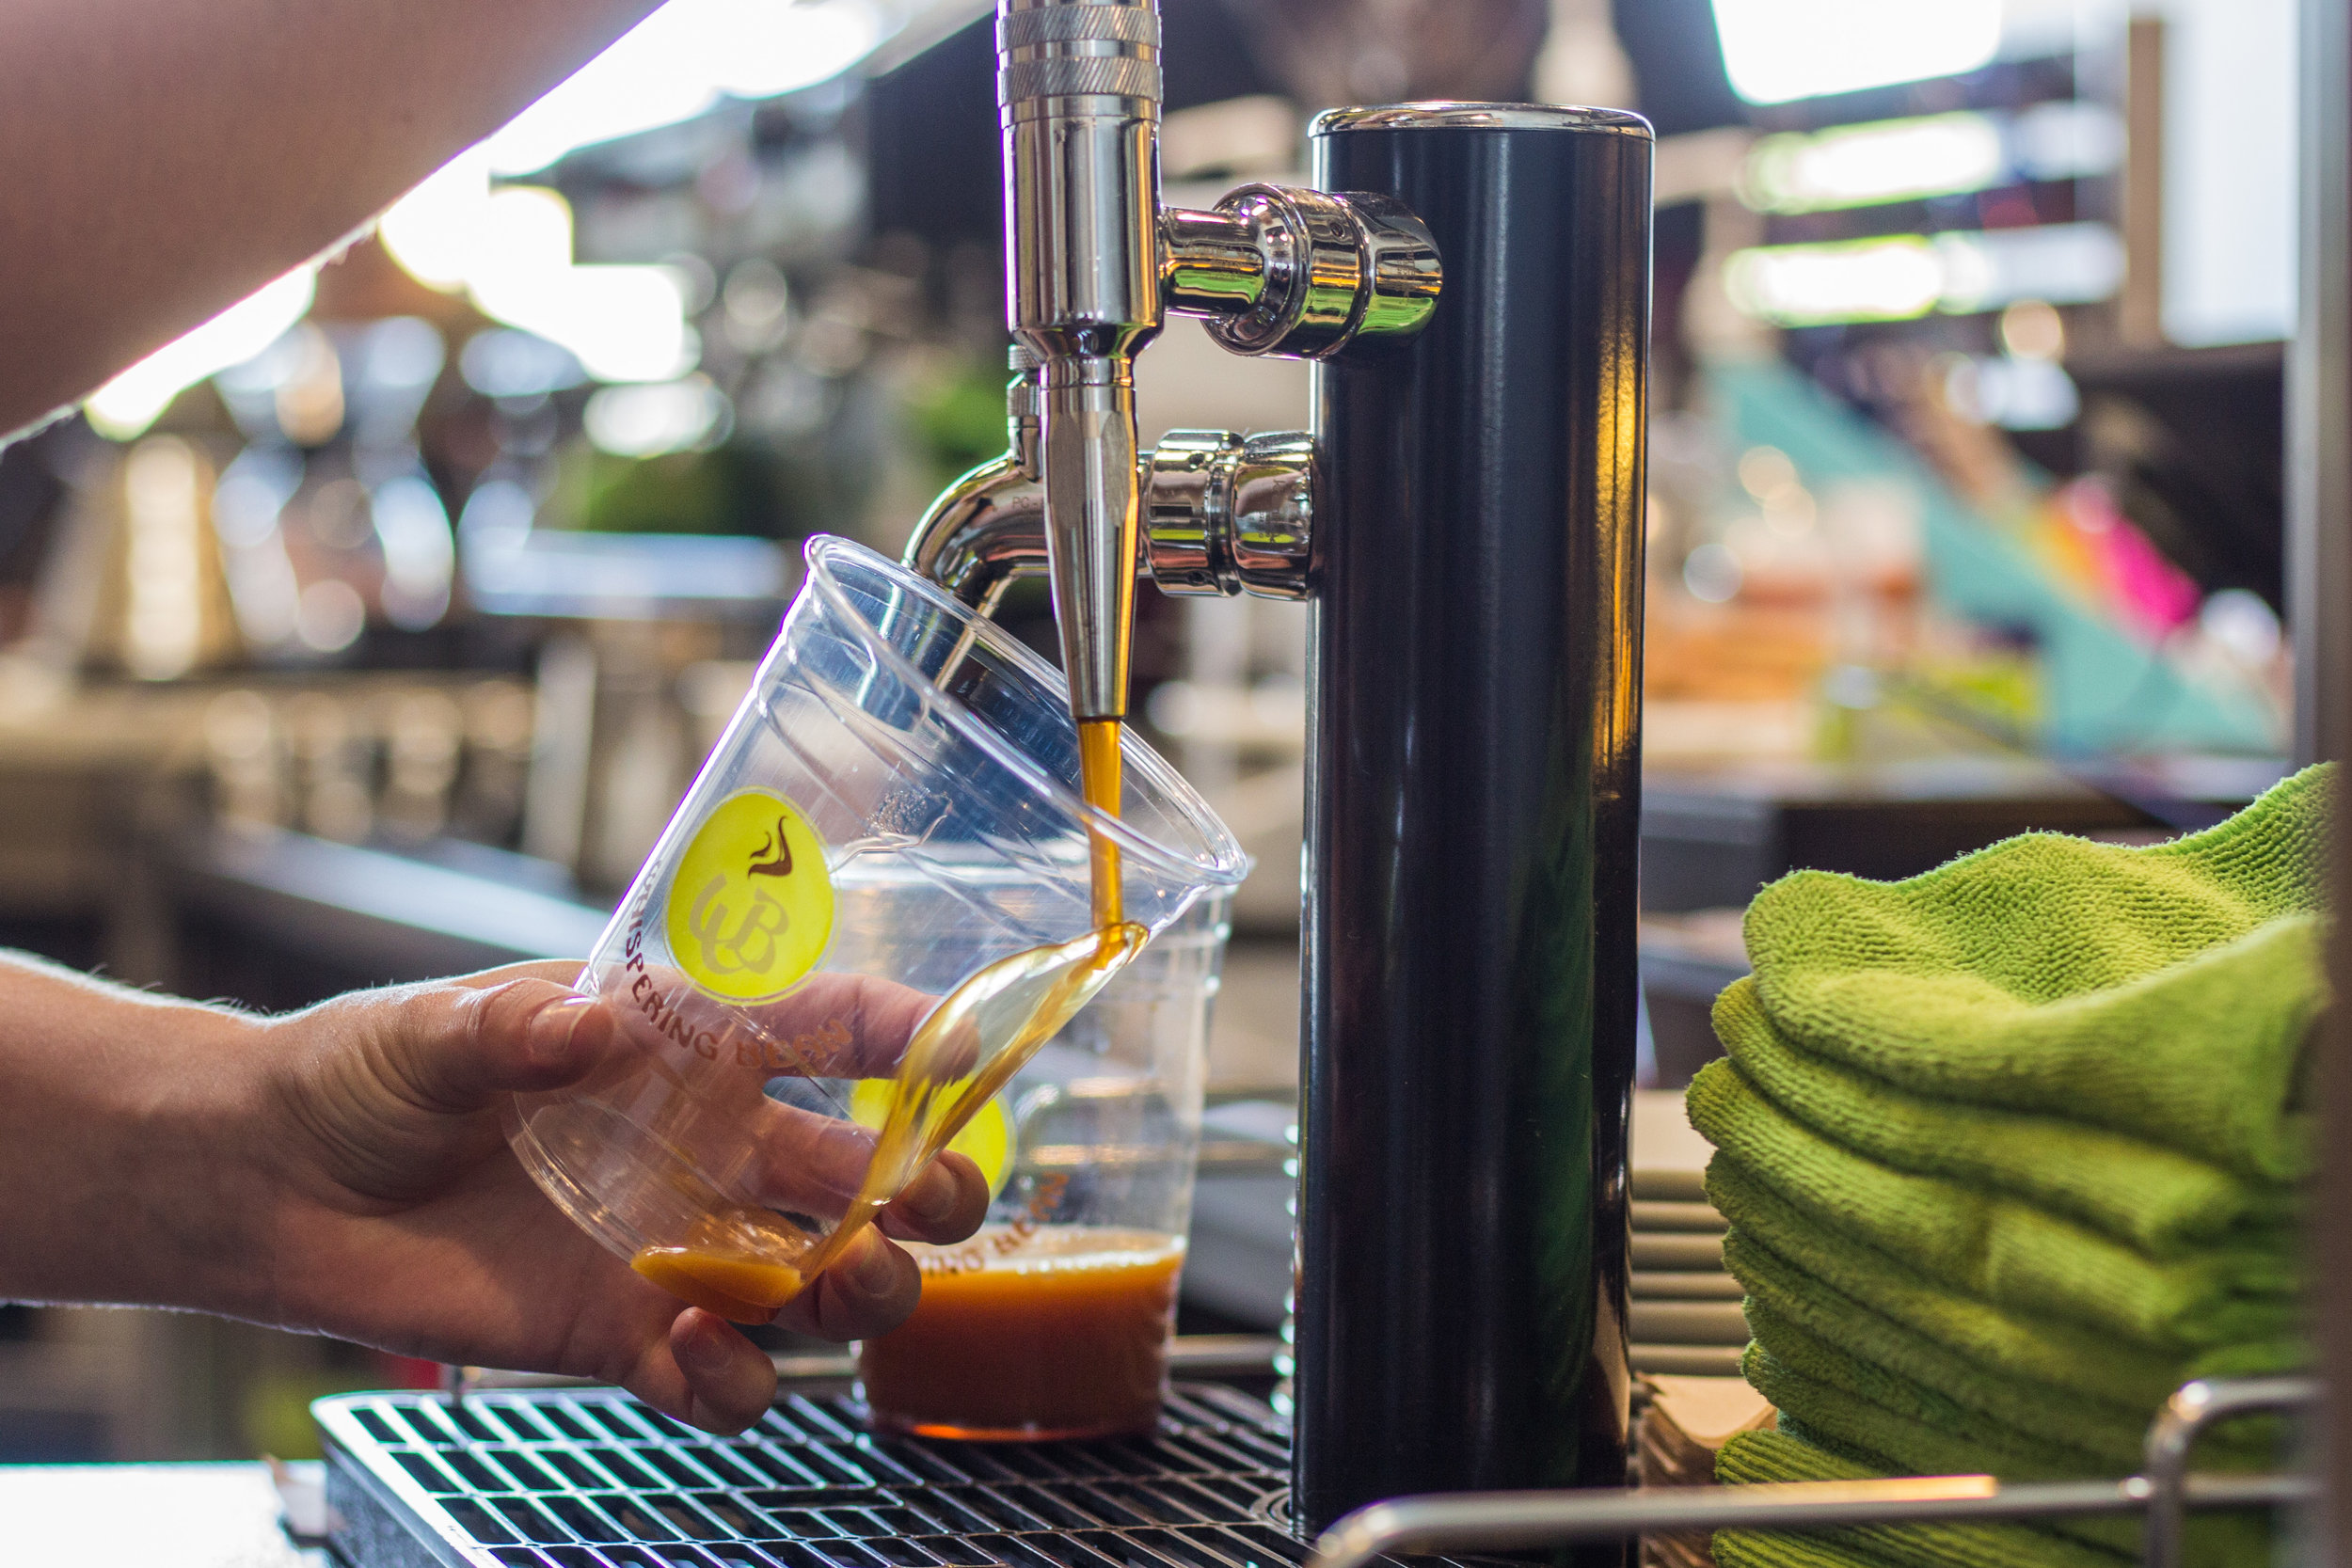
[[372, 630]]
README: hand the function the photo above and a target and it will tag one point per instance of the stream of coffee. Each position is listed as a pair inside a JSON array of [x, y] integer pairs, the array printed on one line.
[[1098, 782]]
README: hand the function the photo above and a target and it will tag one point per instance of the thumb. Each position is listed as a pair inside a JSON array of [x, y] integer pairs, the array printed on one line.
[[461, 1048]]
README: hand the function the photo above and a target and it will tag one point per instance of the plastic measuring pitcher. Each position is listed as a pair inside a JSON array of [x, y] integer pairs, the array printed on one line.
[[873, 907]]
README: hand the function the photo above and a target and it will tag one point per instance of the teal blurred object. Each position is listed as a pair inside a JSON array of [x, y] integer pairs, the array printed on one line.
[[2105, 690]]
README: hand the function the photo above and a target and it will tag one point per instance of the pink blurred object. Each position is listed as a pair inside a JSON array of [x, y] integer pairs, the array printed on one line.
[[2137, 579]]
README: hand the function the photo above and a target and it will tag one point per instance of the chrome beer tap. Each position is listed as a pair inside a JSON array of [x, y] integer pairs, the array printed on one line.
[[1464, 520], [1093, 263], [1078, 97]]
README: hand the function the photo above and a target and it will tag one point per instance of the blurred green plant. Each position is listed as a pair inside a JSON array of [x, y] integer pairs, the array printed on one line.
[[727, 489], [957, 417]]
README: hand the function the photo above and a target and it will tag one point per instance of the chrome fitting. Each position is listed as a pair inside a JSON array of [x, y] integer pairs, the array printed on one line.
[[985, 530], [989, 526], [1297, 272], [1229, 514], [1223, 514], [1188, 480], [1025, 413]]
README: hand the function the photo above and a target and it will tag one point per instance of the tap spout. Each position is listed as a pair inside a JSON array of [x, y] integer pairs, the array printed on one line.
[[989, 526], [985, 530], [1078, 95]]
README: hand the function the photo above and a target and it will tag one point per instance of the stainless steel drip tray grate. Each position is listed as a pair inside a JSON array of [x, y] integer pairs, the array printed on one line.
[[580, 1478]]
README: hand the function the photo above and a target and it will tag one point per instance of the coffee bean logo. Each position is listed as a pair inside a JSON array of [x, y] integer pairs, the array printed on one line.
[[750, 905]]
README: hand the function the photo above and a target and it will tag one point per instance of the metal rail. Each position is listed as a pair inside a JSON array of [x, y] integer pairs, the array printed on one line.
[[2193, 1408], [1504, 1521]]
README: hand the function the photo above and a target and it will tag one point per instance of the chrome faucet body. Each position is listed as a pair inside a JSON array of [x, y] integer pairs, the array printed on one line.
[[1464, 518], [1078, 96], [1091, 265]]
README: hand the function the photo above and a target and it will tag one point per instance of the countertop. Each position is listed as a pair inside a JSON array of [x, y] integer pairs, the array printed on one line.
[[147, 1516]]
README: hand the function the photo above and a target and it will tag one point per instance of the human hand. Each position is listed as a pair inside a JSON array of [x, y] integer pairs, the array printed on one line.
[[401, 1219]]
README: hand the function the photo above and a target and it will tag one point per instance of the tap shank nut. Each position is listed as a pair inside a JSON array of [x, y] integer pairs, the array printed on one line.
[[1232, 514], [1299, 274]]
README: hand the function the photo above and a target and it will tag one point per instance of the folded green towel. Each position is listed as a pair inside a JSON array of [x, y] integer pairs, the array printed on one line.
[[1957, 1443], [1833, 1419], [1780, 1256], [2090, 1447], [2163, 993], [1737, 1548], [2150, 1197], [1839, 1436], [1780, 1456], [1887, 1365], [2006, 1252]]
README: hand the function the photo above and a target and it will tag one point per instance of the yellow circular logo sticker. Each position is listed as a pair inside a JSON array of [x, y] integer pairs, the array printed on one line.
[[750, 906]]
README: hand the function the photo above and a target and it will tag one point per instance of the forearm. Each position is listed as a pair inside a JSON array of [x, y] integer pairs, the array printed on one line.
[[160, 158], [128, 1171], [344, 1169]]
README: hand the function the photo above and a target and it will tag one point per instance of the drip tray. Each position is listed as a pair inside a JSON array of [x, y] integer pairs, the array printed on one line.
[[588, 1478]]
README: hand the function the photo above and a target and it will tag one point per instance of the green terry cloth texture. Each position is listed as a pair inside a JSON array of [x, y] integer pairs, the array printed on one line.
[[1754, 1549], [1777, 1456], [2151, 1198], [1858, 1420], [2162, 993], [1833, 1419], [1840, 1288], [1879, 1362], [2004, 1251], [2050, 1431], [2009, 1151]]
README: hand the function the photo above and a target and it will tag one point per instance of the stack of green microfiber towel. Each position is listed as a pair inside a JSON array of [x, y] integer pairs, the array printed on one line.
[[2009, 1152]]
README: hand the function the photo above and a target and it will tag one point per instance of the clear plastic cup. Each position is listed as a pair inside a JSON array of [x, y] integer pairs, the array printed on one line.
[[1052, 1321], [872, 905]]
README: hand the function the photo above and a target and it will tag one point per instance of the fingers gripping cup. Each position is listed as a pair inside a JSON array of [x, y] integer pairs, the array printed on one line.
[[877, 896]]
